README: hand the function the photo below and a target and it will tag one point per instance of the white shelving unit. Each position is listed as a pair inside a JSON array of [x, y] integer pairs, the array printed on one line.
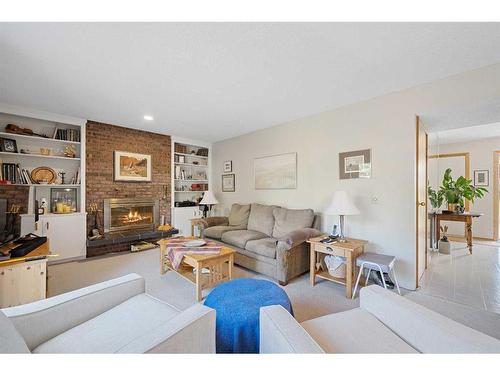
[[188, 169], [66, 232]]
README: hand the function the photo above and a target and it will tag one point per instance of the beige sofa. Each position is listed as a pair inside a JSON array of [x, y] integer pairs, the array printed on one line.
[[115, 316], [268, 239], [384, 323]]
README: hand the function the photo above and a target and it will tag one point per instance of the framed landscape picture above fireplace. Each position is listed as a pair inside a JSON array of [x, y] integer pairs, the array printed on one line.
[[129, 166]]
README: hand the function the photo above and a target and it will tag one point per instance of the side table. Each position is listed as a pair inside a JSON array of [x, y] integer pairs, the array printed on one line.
[[350, 249]]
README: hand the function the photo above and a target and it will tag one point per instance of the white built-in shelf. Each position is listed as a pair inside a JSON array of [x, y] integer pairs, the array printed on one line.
[[190, 191], [37, 156], [191, 164], [189, 180], [192, 155], [47, 185], [31, 137]]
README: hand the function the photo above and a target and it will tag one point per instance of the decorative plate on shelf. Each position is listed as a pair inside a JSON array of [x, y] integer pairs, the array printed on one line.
[[195, 243], [44, 175]]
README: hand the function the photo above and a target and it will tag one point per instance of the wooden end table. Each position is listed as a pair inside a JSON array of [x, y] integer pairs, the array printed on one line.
[[466, 218], [220, 267], [350, 250]]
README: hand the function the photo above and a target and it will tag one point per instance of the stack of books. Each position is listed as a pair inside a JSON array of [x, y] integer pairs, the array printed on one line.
[[13, 174], [72, 135]]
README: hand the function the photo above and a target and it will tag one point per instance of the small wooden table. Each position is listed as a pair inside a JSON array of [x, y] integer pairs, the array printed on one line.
[[466, 218], [350, 250], [220, 267]]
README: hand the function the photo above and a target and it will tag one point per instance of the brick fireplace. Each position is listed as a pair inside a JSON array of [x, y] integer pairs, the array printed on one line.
[[101, 141]]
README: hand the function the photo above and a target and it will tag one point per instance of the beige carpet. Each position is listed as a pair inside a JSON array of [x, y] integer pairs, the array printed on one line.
[[308, 302]]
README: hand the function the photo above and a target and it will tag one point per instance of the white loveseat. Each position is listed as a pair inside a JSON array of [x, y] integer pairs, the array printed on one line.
[[115, 316], [384, 323]]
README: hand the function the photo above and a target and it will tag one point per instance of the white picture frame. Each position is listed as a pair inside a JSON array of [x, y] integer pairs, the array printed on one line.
[[482, 177]]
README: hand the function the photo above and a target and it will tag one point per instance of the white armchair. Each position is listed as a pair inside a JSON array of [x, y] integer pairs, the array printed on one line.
[[384, 323], [115, 316]]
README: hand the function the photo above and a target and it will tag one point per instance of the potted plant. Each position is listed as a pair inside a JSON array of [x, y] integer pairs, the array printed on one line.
[[444, 243], [459, 190], [435, 197]]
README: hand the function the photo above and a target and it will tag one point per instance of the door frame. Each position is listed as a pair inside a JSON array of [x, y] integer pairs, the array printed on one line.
[[466, 156], [417, 200], [496, 162]]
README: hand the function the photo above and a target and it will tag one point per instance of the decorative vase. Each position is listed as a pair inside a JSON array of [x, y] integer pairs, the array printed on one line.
[[453, 207], [444, 247]]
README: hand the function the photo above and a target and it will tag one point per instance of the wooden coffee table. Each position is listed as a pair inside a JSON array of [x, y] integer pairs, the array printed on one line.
[[219, 266]]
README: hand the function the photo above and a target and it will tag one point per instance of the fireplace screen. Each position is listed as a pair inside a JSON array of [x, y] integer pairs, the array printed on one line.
[[130, 213]]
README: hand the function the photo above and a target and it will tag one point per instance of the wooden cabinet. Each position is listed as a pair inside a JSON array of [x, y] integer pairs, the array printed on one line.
[[66, 233], [23, 282]]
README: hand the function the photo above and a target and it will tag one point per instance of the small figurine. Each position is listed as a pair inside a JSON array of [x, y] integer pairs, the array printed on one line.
[[62, 173], [70, 151]]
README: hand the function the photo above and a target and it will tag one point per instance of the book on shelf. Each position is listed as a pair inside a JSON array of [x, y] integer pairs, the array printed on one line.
[[72, 135], [76, 178]]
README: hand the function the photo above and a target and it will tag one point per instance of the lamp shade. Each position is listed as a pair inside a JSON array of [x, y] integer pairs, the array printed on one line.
[[341, 205], [209, 198]]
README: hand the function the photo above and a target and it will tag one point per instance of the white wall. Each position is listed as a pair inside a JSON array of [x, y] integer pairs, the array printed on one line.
[[386, 125], [481, 158]]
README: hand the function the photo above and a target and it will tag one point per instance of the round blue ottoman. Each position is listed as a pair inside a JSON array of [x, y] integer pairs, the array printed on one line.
[[238, 304]]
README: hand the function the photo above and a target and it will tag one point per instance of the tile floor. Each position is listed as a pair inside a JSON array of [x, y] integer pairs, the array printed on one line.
[[472, 280]]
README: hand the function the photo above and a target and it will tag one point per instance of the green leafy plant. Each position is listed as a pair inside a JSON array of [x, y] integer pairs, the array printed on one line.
[[435, 197], [459, 190]]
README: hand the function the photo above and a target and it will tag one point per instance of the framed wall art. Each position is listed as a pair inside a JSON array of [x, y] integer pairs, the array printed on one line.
[[228, 166], [482, 177], [355, 164], [129, 166], [228, 183], [276, 172]]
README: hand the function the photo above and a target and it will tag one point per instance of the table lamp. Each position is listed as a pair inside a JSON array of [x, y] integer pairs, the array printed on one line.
[[341, 205], [208, 201]]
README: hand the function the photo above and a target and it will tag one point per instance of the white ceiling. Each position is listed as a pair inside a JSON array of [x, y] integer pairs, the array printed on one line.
[[467, 134], [215, 81]]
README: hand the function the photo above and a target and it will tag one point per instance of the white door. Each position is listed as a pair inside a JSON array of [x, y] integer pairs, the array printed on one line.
[[66, 234]]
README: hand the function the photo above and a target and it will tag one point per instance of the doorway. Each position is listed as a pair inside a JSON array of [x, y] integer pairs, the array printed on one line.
[[459, 163]]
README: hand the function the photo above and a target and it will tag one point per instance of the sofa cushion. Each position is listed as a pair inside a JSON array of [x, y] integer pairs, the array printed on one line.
[[112, 330], [240, 237], [10, 340], [286, 221], [261, 218], [354, 331], [238, 216], [265, 247], [217, 231]]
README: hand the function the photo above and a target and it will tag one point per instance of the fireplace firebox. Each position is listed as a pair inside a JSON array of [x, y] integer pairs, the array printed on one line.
[[121, 214]]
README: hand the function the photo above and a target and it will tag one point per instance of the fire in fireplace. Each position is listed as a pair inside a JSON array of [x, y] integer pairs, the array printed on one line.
[[130, 213]]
